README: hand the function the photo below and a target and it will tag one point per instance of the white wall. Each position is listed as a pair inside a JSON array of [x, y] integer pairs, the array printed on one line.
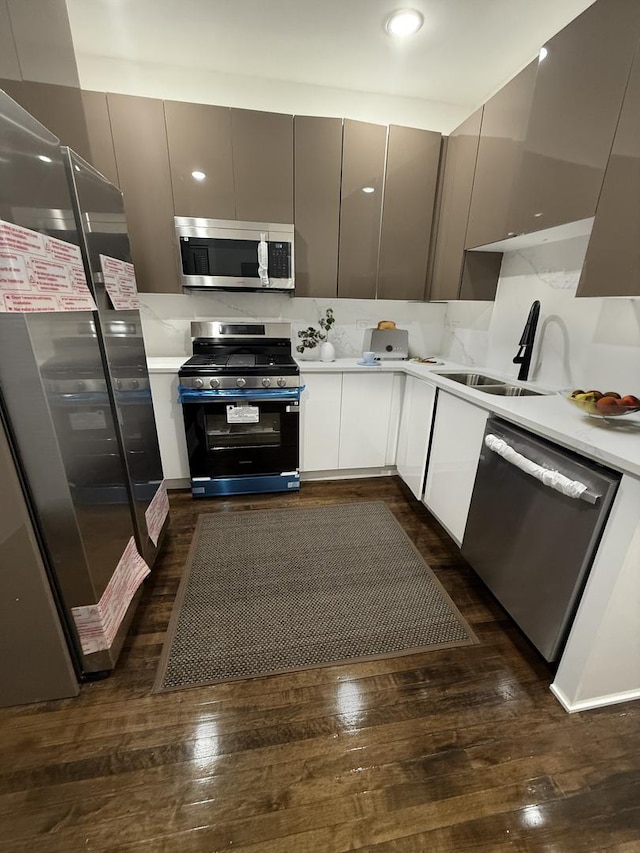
[[588, 343], [166, 319], [105, 74]]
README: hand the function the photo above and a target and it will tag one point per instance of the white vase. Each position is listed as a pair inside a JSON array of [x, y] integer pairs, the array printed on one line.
[[327, 351]]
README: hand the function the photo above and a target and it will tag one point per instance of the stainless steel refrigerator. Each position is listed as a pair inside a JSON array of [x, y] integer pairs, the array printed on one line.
[[77, 417]]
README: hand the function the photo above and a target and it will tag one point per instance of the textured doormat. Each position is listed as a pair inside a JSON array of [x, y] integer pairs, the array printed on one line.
[[279, 590]]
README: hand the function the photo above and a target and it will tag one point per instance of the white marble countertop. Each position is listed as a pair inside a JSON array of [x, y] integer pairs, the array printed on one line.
[[615, 442]]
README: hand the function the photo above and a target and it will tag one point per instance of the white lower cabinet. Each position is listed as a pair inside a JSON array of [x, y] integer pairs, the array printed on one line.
[[365, 420], [349, 420], [169, 425], [320, 421], [414, 433], [456, 442]]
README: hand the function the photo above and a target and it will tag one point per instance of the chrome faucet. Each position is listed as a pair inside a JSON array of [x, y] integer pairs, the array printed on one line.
[[525, 347]]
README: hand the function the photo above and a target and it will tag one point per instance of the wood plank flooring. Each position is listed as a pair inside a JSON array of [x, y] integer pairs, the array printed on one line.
[[450, 750]]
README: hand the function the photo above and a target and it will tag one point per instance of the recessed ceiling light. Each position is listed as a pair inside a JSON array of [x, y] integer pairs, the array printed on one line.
[[44, 158], [404, 22], [368, 189], [198, 176], [543, 53]]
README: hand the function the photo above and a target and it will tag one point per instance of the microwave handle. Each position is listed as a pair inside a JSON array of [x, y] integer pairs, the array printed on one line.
[[263, 260]]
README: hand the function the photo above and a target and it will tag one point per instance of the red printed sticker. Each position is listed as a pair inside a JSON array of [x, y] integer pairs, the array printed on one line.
[[40, 273], [120, 283]]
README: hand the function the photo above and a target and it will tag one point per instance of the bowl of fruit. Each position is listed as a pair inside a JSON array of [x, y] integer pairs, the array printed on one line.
[[609, 404]]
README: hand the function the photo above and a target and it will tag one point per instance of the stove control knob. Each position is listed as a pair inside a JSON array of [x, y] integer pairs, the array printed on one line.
[[282, 382], [241, 382], [198, 383], [214, 383], [81, 386], [134, 383], [118, 385], [266, 382]]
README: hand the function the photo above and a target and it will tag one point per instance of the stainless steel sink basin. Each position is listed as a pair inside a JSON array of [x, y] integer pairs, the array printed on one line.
[[474, 379], [492, 386], [512, 391]]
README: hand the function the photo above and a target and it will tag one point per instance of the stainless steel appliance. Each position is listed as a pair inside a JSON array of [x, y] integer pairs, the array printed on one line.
[[387, 343], [75, 397], [228, 255], [240, 395], [537, 513]]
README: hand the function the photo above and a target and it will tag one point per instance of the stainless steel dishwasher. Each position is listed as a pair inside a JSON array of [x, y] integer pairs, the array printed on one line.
[[537, 513]]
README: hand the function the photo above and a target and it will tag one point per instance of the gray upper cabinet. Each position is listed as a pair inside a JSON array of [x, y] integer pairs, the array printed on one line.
[[363, 160], [318, 164], [262, 166], [504, 128], [612, 263], [142, 158], [199, 139], [79, 118], [58, 108], [457, 183], [576, 103], [409, 196], [103, 156]]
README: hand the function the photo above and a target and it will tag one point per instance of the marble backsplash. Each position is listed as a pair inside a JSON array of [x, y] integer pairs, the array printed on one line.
[[588, 343], [166, 318]]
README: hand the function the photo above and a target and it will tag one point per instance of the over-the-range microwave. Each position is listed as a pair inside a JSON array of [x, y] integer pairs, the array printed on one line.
[[223, 254]]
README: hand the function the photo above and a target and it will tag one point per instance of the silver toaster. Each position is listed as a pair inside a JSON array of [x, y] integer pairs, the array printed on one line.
[[387, 343]]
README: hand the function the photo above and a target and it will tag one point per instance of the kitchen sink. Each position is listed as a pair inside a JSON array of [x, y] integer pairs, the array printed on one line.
[[492, 386], [473, 379]]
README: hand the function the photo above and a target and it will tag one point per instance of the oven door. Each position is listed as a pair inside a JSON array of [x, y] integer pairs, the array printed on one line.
[[250, 438]]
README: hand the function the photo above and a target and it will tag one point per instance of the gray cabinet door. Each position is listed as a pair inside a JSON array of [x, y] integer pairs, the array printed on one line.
[[612, 263], [199, 140], [363, 159], [142, 158], [459, 168], [58, 108], [504, 128], [576, 103], [407, 215], [103, 156], [318, 163], [79, 118], [262, 166]]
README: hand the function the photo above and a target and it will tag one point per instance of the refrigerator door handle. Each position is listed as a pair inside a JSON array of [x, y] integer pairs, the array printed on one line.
[[553, 479]]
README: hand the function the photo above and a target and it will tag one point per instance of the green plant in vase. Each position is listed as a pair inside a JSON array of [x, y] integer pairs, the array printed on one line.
[[312, 337]]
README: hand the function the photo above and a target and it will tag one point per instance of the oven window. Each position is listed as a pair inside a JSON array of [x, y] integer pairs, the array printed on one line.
[[222, 435]]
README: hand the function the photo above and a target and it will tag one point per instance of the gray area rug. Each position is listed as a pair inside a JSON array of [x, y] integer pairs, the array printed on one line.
[[278, 590]]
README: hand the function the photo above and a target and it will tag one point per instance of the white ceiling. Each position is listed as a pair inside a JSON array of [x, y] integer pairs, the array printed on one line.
[[464, 52]]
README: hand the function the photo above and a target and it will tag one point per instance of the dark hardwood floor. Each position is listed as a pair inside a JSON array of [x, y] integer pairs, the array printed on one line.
[[458, 749]]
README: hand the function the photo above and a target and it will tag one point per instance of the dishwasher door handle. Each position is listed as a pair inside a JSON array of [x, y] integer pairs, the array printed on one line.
[[553, 479]]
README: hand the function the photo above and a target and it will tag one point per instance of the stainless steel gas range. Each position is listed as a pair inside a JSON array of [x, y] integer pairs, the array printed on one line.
[[240, 395]]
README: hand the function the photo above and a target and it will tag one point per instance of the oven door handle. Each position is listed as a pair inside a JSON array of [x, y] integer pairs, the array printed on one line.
[[189, 395]]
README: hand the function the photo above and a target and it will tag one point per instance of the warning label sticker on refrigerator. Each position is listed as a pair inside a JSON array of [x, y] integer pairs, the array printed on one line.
[[98, 624], [40, 273], [156, 513], [120, 283]]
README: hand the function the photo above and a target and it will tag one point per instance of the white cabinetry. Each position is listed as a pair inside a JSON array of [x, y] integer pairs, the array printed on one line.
[[458, 429], [320, 421], [169, 425], [365, 421], [349, 421], [414, 433]]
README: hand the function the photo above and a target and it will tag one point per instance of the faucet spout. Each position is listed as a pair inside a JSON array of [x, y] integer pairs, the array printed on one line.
[[525, 347]]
